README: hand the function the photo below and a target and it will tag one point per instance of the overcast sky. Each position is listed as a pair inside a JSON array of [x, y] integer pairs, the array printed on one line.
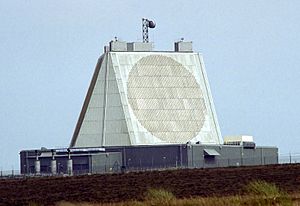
[[48, 51]]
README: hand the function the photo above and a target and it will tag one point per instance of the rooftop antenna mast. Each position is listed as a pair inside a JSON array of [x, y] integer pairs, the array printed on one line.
[[147, 24]]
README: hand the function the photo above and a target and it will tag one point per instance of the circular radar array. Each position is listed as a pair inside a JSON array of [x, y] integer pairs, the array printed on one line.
[[166, 99]]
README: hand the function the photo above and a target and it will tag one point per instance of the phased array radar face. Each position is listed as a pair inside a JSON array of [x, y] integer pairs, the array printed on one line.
[[166, 98]]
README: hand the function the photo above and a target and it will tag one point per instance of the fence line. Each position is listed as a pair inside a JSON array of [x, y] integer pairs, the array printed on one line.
[[202, 163], [289, 158]]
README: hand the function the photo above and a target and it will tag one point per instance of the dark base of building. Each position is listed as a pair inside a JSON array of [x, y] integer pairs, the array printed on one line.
[[143, 157]]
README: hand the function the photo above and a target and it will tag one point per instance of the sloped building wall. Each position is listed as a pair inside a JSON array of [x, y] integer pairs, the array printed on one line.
[[148, 98]]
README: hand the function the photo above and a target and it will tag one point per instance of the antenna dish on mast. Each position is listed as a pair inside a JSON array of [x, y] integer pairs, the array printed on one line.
[[146, 23]]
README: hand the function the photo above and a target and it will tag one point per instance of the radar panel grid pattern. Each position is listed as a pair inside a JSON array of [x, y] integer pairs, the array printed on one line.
[[166, 98]]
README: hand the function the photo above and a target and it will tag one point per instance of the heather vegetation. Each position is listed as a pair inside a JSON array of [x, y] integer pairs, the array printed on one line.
[[259, 193], [259, 185]]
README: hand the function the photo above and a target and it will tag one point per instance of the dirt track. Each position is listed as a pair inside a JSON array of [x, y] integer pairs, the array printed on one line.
[[119, 187]]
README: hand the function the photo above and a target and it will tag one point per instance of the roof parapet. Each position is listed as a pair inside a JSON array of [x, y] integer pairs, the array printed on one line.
[[140, 46], [116, 45], [182, 46]]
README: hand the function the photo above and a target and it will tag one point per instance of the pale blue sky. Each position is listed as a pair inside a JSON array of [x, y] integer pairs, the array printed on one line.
[[48, 51]]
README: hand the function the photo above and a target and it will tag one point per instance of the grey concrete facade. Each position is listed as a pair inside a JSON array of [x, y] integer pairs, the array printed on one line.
[[147, 98]]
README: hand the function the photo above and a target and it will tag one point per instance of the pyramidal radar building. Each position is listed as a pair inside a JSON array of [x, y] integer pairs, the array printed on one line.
[[147, 109], [140, 97]]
